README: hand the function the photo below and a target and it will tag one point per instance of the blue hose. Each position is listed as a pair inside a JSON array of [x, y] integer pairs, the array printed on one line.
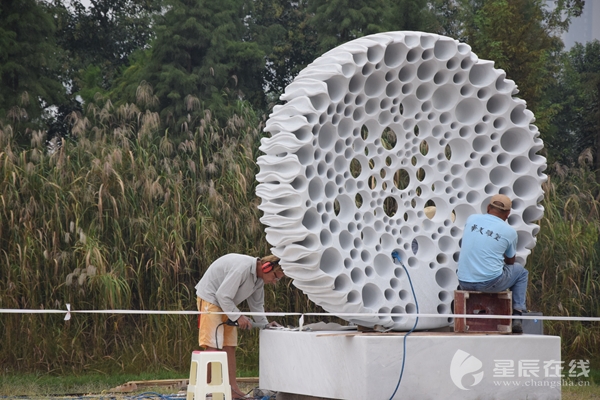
[[396, 256]]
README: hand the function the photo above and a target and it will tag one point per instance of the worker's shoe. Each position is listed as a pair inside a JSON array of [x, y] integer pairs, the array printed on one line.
[[517, 324]]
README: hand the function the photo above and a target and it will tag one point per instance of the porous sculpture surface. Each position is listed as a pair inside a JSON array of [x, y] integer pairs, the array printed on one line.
[[372, 135]]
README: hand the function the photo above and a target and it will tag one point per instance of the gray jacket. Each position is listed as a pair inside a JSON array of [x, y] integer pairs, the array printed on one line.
[[230, 280]]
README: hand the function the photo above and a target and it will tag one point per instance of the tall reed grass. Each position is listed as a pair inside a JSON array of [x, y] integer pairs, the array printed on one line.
[[121, 215], [564, 267], [124, 214]]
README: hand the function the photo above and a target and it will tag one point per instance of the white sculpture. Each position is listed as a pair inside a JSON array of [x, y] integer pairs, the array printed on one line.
[[372, 133]]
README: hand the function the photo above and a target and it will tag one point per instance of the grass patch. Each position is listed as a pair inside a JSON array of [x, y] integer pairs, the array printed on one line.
[[97, 384], [52, 385], [581, 392]]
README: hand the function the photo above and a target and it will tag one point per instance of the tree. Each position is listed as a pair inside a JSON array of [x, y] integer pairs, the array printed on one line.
[[293, 34], [522, 37], [513, 34], [576, 125], [103, 35], [30, 74], [339, 21], [281, 29], [586, 61], [199, 60], [411, 15]]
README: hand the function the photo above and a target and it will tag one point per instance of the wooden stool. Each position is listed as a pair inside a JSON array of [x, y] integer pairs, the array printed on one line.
[[468, 302], [219, 386]]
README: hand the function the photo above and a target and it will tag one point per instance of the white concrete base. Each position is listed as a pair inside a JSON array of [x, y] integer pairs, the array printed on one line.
[[342, 365]]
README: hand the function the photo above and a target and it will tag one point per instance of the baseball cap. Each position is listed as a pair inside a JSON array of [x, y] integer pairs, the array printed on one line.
[[501, 202]]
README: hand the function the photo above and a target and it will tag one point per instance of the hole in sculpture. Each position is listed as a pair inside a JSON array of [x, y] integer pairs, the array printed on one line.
[[482, 74], [325, 238], [424, 92], [445, 278], [427, 54], [358, 114], [358, 200], [401, 179], [444, 296], [357, 275], [336, 207], [365, 256], [372, 106], [375, 84], [398, 310], [394, 54], [367, 69], [331, 262], [342, 283], [353, 297], [426, 71], [444, 49], [390, 206], [498, 104], [448, 152], [440, 78], [345, 239], [407, 73], [519, 115], [375, 53], [393, 89], [389, 294], [372, 296], [519, 165], [452, 64], [372, 182], [466, 63], [335, 87], [384, 310], [388, 139], [513, 141], [424, 147], [364, 132], [355, 168], [413, 55]]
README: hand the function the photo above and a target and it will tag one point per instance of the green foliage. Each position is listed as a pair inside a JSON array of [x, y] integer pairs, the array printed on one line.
[[156, 177], [119, 218], [29, 68], [564, 274], [104, 34], [200, 61], [38, 385], [575, 96], [281, 28], [339, 21], [514, 35], [411, 15]]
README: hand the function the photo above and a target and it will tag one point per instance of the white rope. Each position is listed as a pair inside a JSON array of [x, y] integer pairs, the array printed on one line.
[[69, 312]]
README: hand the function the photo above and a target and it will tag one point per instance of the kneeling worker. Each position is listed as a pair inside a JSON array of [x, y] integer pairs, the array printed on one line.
[[227, 282], [487, 256]]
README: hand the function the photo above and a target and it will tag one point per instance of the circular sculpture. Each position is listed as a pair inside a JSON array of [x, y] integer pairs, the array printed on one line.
[[374, 132]]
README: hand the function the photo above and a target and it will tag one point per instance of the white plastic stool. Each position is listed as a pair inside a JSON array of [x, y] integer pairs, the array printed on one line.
[[219, 386]]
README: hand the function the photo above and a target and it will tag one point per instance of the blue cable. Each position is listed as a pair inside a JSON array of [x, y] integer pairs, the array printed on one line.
[[396, 256]]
